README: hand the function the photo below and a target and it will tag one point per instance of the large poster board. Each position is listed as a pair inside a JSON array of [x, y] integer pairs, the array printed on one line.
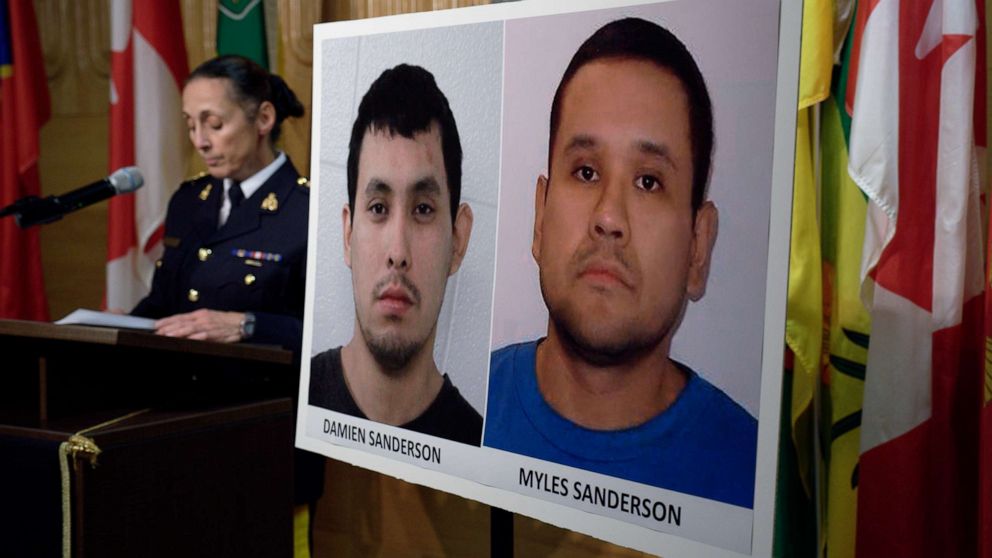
[[643, 407]]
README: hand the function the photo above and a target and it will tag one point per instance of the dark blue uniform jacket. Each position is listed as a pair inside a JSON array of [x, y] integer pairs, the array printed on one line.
[[256, 262]]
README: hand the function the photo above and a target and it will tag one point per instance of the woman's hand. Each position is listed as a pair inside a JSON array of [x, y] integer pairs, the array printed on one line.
[[204, 325]]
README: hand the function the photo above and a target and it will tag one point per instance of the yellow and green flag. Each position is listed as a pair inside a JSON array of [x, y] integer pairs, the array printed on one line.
[[843, 221], [843, 210]]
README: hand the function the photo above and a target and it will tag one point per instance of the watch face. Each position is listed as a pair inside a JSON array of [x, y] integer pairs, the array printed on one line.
[[248, 326]]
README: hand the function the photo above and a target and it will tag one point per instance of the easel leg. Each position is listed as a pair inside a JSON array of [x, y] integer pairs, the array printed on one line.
[[500, 533]]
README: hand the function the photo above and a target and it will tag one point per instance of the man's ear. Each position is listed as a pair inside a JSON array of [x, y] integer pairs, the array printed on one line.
[[346, 224], [265, 118], [704, 233], [540, 197], [460, 233]]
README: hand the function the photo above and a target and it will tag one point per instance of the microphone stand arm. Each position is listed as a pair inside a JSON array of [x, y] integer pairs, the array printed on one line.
[[32, 210]]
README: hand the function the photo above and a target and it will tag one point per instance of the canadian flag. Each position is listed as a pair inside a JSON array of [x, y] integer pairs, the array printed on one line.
[[148, 67], [912, 151]]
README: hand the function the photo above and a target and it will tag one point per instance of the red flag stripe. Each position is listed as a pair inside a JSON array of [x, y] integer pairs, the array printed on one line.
[[120, 214], [154, 239], [24, 108], [158, 27], [150, 66], [30, 86]]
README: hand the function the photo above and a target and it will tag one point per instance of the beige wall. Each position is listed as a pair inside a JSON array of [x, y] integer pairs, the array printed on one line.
[[73, 147], [362, 513]]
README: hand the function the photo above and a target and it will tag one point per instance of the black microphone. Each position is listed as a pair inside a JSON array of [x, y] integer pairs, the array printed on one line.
[[32, 210]]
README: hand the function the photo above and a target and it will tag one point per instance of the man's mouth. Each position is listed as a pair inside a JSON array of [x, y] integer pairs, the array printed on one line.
[[394, 300], [605, 273]]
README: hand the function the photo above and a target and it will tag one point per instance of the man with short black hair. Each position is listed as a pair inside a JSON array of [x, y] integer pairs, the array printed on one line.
[[623, 236], [405, 233]]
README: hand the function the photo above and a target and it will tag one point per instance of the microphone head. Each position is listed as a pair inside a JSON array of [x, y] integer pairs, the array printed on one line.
[[126, 179]]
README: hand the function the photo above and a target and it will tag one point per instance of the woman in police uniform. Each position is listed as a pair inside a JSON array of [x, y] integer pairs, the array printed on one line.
[[235, 238]]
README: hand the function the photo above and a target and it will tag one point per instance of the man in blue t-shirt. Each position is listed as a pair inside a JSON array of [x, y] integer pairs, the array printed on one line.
[[623, 234]]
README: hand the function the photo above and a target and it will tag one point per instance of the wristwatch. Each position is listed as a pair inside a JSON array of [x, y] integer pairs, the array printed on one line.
[[248, 326]]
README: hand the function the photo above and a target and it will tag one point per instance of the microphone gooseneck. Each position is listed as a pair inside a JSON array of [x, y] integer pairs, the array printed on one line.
[[33, 210]]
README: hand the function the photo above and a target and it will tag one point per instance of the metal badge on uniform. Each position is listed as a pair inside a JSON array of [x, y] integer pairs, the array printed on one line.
[[255, 257], [171, 241], [303, 181], [205, 192], [270, 203]]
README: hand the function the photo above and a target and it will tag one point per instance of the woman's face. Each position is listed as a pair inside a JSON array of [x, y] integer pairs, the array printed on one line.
[[231, 144]]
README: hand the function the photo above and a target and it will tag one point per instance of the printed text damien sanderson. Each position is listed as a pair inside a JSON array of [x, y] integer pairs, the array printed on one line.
[[388, 442]]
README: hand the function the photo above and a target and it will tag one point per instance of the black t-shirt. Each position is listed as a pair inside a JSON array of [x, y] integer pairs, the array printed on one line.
[[448, 416]]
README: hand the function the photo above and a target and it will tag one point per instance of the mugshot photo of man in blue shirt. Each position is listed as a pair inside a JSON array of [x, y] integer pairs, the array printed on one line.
[[623, 237]]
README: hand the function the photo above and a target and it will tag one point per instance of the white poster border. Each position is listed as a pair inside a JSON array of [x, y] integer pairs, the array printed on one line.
[[475, 486]]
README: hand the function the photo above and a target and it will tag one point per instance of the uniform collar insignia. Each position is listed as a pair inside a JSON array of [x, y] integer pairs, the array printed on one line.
[[270, 203]]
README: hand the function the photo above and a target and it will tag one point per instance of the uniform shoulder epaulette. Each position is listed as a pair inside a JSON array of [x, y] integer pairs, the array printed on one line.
[[198, 181], [303, 182], [196, 177]]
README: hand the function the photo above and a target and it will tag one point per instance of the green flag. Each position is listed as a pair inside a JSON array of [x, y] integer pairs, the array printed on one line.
[[241, 29]]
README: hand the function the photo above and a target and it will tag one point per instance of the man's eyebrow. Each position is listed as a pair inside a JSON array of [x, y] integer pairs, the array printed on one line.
[[659, 150], [647, 147], [427, 185], [377, 186], [580, 141]]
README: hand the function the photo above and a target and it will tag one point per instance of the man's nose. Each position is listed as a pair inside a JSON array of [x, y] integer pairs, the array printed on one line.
[[398, 248], [609, 219]]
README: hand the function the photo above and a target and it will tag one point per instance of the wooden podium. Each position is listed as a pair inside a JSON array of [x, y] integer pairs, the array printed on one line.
[[148, 446]]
